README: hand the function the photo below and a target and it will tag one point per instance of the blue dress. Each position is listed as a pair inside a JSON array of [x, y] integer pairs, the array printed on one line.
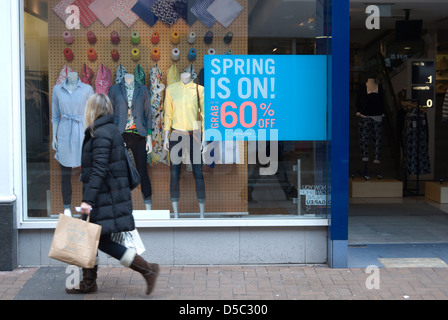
[[68, 114]]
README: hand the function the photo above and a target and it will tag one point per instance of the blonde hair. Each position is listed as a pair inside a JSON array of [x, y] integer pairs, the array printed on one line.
[[97, 106]]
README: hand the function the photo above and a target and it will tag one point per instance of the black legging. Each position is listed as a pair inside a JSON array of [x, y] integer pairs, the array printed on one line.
[[66, 186], [137, 144]]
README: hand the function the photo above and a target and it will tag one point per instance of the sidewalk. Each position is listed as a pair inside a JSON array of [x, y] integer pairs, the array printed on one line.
[[234, 283]]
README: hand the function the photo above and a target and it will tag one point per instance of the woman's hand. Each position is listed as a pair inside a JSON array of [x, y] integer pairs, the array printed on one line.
[[85, 208]]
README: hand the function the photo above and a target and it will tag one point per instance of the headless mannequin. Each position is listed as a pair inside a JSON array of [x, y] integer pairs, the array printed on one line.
[[71, 83], [372, 87], [129, 79], [185, 78]]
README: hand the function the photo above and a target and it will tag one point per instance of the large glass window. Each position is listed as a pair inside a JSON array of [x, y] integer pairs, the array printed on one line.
[[94, 44]]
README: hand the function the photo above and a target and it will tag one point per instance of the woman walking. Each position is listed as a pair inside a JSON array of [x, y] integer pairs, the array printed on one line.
[[106, 192]]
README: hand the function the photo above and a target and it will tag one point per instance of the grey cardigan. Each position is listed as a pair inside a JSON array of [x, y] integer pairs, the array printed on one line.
[[141, 107]]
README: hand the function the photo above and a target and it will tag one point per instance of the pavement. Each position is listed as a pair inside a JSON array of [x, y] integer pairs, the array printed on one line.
[[238, 283]]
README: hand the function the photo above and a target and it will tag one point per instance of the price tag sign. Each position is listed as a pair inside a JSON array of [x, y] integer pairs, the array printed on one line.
[[254, 97]]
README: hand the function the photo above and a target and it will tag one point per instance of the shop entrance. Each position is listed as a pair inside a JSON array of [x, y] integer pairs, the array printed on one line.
[[398, 143]]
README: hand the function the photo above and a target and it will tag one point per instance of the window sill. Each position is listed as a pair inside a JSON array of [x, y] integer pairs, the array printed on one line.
[[161, 219]]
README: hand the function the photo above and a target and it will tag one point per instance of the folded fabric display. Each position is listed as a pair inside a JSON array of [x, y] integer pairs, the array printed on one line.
[[86, 16], [181, 7], [164, 10], [123, 10], [68, 54], [225, 11], [200, 11], [119, 74], [156, 88], [173, 75], [114, 37], [103, 80], [86, 75], [91, 37], [91, 53], [143, 10], [102, 10], [60, 8], [139, 75], [68, 38], [115, 55], [63, 74], [191, 18]]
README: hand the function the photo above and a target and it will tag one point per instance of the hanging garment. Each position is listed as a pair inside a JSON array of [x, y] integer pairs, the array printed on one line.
[[190, 69], [63, 74], [68, 114], [415, 138], [370, 127], [139, 75], [156, 88], [173, 75], [103, 80], [445, 108], [119, 74], [86, 75]]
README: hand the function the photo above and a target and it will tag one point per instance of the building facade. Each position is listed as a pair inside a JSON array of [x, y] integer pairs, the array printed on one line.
[[274, 115]]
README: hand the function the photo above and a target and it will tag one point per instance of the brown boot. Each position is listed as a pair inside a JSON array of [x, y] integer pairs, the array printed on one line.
[[88, 282], [149, 271]]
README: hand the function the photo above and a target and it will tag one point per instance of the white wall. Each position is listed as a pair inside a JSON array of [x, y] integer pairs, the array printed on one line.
[[10, 88]]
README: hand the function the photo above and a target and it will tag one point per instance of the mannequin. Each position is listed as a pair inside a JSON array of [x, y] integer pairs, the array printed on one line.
[[180, 124], [370, 110], [68, 104], [133, 116]]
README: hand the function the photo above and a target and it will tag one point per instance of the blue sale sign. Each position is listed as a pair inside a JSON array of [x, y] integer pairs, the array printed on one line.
[[254, 95]]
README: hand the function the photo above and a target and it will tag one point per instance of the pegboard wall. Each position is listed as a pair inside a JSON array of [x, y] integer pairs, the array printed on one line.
[[226, 185]]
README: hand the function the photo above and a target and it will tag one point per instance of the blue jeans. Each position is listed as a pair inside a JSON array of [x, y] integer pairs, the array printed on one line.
[[194, 147]]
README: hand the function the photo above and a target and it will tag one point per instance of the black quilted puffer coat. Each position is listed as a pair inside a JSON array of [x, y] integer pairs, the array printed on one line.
[[104, 177]]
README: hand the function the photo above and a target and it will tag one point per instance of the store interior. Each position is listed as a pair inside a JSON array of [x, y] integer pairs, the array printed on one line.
[[407, 224]]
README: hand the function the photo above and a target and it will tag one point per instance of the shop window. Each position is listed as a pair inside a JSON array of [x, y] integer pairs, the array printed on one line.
[[98, 42]]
